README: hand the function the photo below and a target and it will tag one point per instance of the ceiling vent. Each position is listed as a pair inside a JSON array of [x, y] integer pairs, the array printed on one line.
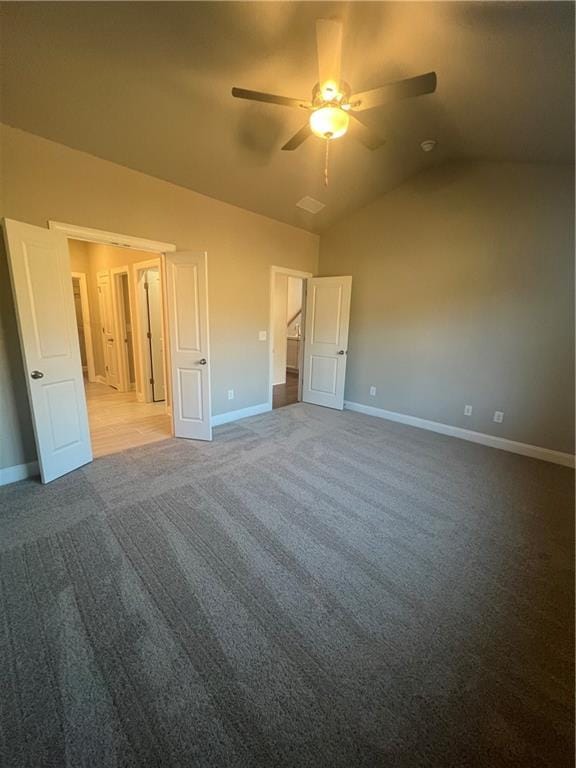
[[310, 205]]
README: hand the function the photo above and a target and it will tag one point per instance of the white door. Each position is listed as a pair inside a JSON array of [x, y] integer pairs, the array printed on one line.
[[40, 272], [326, 340], [187, 300], [109, 341], [156, 331]]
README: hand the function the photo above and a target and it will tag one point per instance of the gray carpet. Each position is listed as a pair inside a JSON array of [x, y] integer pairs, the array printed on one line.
[[311, 589]]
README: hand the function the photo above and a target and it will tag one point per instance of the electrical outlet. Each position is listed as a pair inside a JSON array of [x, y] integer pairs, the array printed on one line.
[[498, 417], [467, 410], [372, 391], [230, 394], [262, 335]]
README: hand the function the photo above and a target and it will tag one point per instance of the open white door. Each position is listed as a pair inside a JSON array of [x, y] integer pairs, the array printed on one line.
[[109, 340], [187, 304], [326, 340], [40, 271]]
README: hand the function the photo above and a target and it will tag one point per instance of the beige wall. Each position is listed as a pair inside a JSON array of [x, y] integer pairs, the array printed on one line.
[[462, 294], [42, 180]]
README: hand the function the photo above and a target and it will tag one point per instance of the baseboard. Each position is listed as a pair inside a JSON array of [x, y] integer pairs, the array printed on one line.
[[100, 379], [242, 413], [19, 472], [502, 443]]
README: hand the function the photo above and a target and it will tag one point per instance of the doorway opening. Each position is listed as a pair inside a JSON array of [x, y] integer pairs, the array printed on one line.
[[287, 307], [120, 319]]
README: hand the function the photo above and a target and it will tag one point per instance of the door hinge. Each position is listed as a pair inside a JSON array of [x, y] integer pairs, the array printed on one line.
[[149, 335], [145, 286], [151, 381], [106, 367]]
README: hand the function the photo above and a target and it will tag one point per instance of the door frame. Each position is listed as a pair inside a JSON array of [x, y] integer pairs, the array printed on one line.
[[275, 270], [157, 248], [85, 306]]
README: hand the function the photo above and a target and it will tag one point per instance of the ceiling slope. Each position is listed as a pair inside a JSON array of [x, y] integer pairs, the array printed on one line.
[[147, 85]]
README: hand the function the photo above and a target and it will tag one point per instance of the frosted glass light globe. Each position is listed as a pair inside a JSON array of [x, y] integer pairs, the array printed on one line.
[[329, 122]]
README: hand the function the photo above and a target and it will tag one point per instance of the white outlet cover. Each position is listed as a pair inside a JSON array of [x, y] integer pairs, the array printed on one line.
[[498, 417], [467, 410], [230, 394], [262, 335], [372, 391]]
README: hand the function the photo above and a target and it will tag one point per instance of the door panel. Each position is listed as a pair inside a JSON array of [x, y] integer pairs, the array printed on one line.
[[187, 299], [326, 340], [40, 272], [156, 331], [109, 342], [190, 403]]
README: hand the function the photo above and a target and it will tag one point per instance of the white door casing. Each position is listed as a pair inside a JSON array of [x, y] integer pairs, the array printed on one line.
[[109, 341], [326, 340], [39, 264], [187, 300]]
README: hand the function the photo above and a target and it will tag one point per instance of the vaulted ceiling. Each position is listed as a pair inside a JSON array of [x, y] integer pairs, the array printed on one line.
[[147, 85]]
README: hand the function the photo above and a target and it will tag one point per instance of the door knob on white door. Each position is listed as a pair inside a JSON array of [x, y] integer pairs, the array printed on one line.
[[37, 375], [202, 362], [341, 352]]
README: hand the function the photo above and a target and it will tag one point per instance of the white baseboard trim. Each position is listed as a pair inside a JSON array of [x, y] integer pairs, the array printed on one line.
[[19, 472], [502, 443], [242, 413]]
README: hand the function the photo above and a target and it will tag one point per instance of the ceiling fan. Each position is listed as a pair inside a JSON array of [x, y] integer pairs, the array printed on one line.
[[333, 104]]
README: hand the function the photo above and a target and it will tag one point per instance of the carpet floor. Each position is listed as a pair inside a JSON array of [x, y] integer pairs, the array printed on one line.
[[312, 588]]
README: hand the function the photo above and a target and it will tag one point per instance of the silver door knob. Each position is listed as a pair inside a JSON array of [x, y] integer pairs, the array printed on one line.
[[341, 352], [202, 362], [37, 375]]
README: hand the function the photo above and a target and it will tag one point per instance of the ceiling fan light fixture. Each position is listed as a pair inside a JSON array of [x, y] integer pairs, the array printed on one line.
[[329, 122], [330, 91]]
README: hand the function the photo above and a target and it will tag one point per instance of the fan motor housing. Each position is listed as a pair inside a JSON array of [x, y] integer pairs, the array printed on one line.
[[341, 96]]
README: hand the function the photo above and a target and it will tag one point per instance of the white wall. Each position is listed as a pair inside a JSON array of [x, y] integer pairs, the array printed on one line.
[[294, 301]]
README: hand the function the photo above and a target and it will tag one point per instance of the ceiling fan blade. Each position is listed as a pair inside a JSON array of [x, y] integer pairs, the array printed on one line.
[[329, 45], [402, 89], [366, 135], [298, 138], [270, 98]]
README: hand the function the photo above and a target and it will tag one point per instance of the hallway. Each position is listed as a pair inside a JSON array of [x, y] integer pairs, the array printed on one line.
[[118, 421]]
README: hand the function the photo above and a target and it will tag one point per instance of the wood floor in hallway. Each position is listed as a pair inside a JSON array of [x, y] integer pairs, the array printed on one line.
[[285, 394], [118, 421]]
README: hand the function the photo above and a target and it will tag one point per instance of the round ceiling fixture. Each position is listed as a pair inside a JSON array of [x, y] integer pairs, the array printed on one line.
[[428, 145], [329, 122]]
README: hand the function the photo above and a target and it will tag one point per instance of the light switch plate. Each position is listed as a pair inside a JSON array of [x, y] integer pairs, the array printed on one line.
[[262, 335]]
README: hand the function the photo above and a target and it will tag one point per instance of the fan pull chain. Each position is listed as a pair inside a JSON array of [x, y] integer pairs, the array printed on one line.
[[326, 163]]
